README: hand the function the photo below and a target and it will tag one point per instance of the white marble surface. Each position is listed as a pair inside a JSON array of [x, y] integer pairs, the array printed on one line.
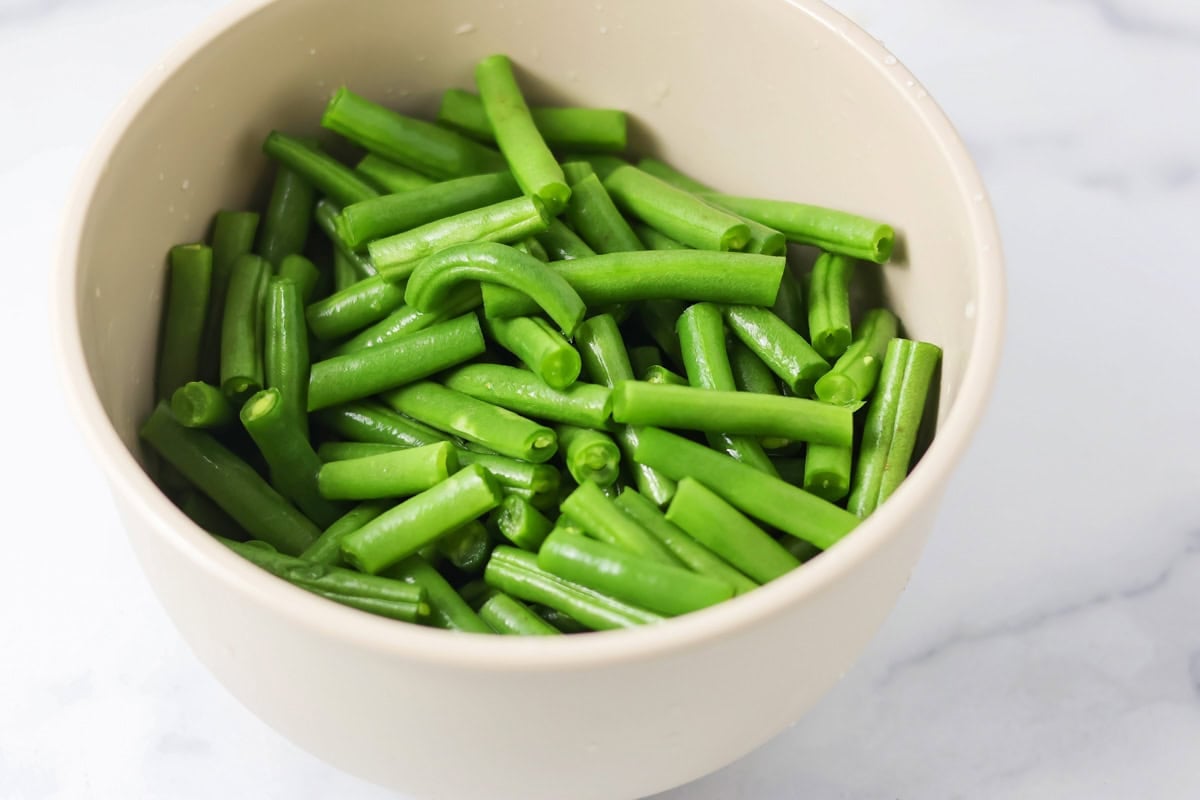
[[1049, 643]]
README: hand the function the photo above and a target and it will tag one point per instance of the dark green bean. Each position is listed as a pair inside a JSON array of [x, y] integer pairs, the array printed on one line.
[[201, 405], [561, 621], [658, 318], [241, 329], [184, 313], [285, 350], [589, 455], [389, 176], [829, 304], [447, 608], [584, 404], [327, 549], [232, 236], [397, 474], [303, 273], [601, 129], [345, 274], [210, 517], [853, 376], [344, 451], [328, 217], [783, 350], [372, 423], [539, 346], [289, 213], [328, 175], [644, 356]]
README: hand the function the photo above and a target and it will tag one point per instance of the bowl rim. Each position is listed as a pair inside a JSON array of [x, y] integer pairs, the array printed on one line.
[[532, 654]]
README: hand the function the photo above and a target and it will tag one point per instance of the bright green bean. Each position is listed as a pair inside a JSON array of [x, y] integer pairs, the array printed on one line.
[[328, 175], [589, 455], [184, 316], [327, 549], [344, 451], [537, 479], [601, 518], [372, 423], [467, 548], [396, 474], [656, 240], [510, 616], [602, 129], [593, 215], [827, 470], [407, 319], [521, 523], [789, 304], [584, 404], [829, 304], [539, 346], [232, 236], [854, 375], [675, 212], [389, 176], [447, 608], [561, 243], [354, 308], [201, 405], [656, 373], [241, 329], [328, 217], [783, 350]]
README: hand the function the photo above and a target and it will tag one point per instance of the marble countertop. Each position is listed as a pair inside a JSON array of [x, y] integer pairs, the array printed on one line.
[[1048, 645]]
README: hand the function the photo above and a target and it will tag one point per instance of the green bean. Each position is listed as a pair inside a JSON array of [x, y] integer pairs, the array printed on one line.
[[328, 175], [583, 404], [854, 375], [510, 616], [447, 608], [302, 272], [516, 573], [720, 527], [537, 479], [407, 319], [667, 590], [344, 451], [285, 350], [530, 246], [495, 265], [659, 374], [580, 128], [644, 356], [389, 598], [789, 304], [693, 275], [241, 329], [407, 358], [893, 422], [702, 342], [396, 474], [467, 548], [653, 239], [232, 236], [328, 217], [829, 304], [607, 362], [593, 215], [679, 214], [827, 471], [603, 164], [292, 461], [665, 172], [783, 350], [790, 469], [392, 213], [372, 423], [229, 481], [354, 308], [600, 518], [507, 221], [589, 455], [658, 318], [687, 550], [389, 176], [184, 314], [521, 523], [410, 142], [802, 550], [345, 274], [713, 411], [495, 428], [210, 517], [327, 549], [542, 501], [419, 520], [750, 374], [561, 621], [826, 228], [517, 135], [776, 503], [561, 243], [201, 405], [289, 213], [539, 346]]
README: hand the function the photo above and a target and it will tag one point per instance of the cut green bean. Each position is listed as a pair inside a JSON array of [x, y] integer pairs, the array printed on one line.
[[285, 350], [702, 341], [600, 129], [521, 523], [201, 405], [721, 528], [561, 243], [293, 462], [403, 530], [831, 230], [354, 308], [659, 318], [789, 304], [345, 274], [563, 622], [410, 142], [447, 608], [854, 375], [532, 247], [592, 214], [389, 598], [241, 329], [328, 216], [497, 429], [230, 482], [712, 410], [783, 350], [601, 518], [656, 373], [790, 469], [327, 549], [528, 156], [516, 573], [389, 176], [827, 470], [372, 423], [602, 164], [408, 358], [653, 239], [644, 356], [667, 590], [467, 548], [232, 236], [802, 550], [396, 474], [686, 549], [665, 172], [776, 503], [495, 265], [542, 501], [750, 374], [344, 451], [289, 214], [210, 516], [675, 212], [692, 275], [507, 221], [393, 213], [510, 616], [328, 175], [407, 319], [589, 455], [537, 479], [829, 304], [585, 404], [893, 422], [539, 346], [184, 314], [607, 362], [302, 272]]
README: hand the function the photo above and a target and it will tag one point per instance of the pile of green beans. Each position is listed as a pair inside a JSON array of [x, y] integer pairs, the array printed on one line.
[[471, 381]]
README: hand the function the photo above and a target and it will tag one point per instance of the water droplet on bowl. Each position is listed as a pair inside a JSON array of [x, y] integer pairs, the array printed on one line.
[[977, 197], [603, 29], [312, 51], [889, 59], [922, 94], [161, 176], [969, 310], [421, 58], [592, 747], [97, 292], [186, 183], [909, 84], [466, 27]]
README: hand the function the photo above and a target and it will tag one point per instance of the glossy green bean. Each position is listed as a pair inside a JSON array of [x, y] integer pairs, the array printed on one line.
[[658, 319], [344, 451], [600, 129], [539, 346], [389, 176], [644, 356], [285, 350], [789, 304], [854, 375], [585, 404], [537, 479], [407, 358], [467, 548], [509, 616], [288, 216], [373, 423], [201, 405], [345, 274], [241, 329], [561, 243], [407, 319], [328, 215], [656, 373], [783, 350], [210, 516], [653, 239], [328, 175], [447, 608], [592, 214], [184, 314], [675, 212], [829, 304], [354, 308], [303, 273], [397, 474], [522, 524], [827, 471], [589, 455], [601, 518], [327, 549], [232, 236]]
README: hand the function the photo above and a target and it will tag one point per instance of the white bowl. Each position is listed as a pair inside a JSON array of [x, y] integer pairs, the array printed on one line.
[[784, 99]]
